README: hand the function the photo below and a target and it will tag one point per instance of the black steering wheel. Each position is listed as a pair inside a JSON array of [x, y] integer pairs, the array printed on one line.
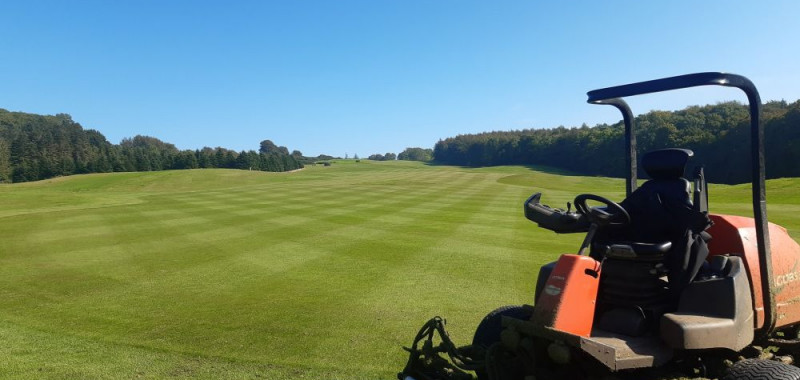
[[613, 215]]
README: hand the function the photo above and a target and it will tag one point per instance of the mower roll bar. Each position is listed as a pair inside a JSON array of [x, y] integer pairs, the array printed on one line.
[[612, 96]]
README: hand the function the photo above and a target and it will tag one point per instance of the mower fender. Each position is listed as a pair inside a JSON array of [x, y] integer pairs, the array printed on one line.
[[736, 236], [713, 313]]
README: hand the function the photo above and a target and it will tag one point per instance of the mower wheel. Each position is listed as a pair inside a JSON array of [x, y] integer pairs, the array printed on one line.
[[488, 331], [752, 369]]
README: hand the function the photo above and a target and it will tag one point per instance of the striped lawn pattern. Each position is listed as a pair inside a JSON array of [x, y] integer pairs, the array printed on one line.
[[322, 273]]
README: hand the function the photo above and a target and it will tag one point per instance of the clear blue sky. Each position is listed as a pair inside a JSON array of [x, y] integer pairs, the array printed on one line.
[[364, 77]]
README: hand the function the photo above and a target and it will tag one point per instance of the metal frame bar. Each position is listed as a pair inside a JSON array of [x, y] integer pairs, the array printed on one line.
[[611, 95], [630, 141]]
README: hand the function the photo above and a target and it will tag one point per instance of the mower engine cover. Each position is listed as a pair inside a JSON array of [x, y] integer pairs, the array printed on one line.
[[567, 302]]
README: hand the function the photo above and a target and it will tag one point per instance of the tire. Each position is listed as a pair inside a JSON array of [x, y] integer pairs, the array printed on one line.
[[757, 369], [488, 331]]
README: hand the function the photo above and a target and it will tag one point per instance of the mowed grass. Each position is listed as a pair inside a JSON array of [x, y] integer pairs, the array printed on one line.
[[322, 273]]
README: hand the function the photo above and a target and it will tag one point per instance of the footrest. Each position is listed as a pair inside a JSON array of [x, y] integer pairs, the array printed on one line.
[[690, 332]]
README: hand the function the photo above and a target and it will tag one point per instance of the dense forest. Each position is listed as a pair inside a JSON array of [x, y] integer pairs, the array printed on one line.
[[34, 147], [718, 134]]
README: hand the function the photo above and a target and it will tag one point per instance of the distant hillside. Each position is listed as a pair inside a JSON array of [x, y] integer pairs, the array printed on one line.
[[718, 134], [34, 147]]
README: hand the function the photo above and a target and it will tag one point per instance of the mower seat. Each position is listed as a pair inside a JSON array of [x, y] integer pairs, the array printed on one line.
[[660, 211], [662, 239], [651, 205]]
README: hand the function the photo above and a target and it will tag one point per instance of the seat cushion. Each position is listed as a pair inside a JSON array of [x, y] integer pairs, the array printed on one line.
[[634, 250]]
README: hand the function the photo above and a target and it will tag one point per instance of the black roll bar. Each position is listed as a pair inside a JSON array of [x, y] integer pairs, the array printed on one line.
[[612, 95], [630, 141]]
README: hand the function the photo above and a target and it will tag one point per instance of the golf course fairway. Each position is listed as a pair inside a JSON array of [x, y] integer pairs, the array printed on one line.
[[322, 273]]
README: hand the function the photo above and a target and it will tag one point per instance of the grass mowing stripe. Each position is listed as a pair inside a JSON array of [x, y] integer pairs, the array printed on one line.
[[75, 357], [322, 273], [385, 272]]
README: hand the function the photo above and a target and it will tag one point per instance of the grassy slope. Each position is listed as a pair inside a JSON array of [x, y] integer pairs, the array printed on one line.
[[322, 273]]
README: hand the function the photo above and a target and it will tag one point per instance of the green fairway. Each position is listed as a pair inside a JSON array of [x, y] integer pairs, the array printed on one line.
[[321, 273]]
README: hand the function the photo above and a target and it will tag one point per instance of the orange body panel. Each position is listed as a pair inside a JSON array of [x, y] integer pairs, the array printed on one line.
[[568, 300], [736, 235]]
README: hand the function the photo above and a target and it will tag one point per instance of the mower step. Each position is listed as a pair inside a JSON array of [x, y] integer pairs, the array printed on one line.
[[615, 351], [618, 352]]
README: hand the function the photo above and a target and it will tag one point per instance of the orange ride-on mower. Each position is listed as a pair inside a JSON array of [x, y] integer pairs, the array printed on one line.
[[659, 288]]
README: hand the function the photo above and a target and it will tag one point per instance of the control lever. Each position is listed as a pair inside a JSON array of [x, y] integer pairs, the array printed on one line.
[[588, 239]]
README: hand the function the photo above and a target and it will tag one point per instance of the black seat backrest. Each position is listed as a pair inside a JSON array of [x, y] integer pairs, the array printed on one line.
[[666, 164], [657, 208]]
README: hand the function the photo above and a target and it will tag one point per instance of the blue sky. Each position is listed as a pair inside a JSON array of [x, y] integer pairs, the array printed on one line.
[[364, 77]]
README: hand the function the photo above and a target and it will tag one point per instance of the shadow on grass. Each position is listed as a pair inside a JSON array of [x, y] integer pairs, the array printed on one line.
[[536, 168]]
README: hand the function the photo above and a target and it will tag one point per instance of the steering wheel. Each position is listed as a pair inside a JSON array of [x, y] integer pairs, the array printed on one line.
[[613, 215]]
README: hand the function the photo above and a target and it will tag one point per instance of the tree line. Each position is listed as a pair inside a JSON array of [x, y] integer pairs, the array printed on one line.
[[718, 134], [382, 157], [408, 154], [35, 147]]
